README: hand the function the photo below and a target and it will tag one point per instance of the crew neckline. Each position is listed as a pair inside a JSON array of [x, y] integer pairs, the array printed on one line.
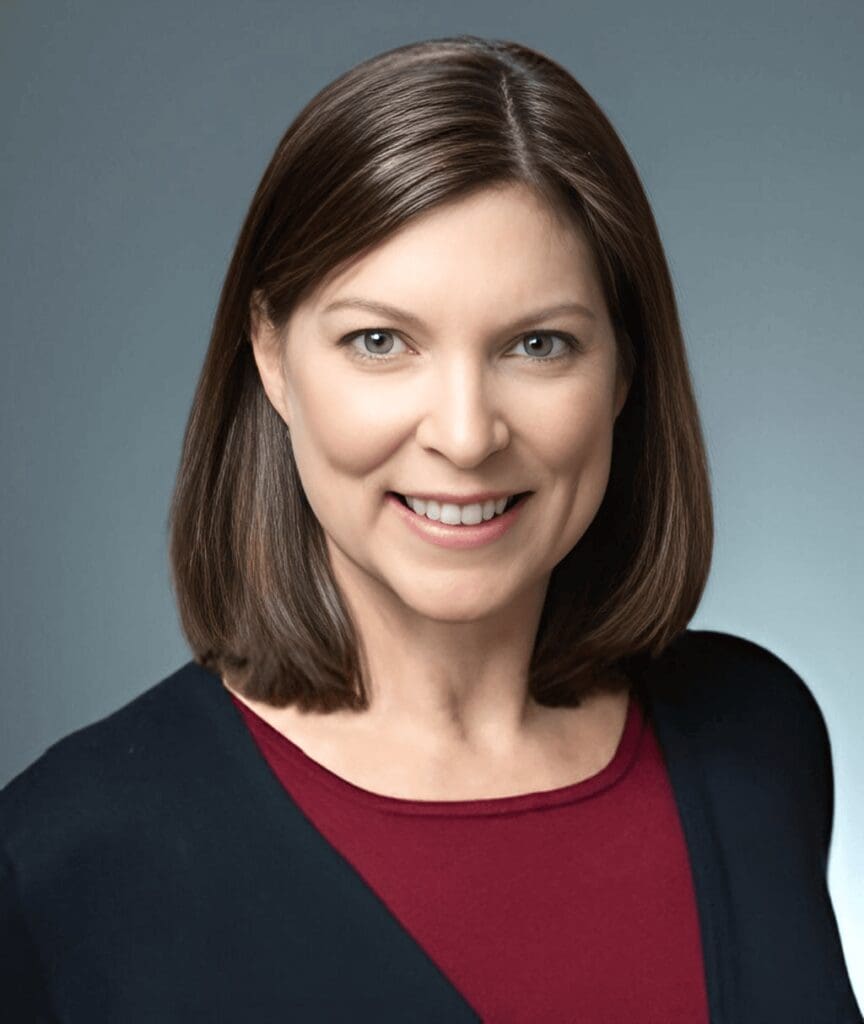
[[280, 747]]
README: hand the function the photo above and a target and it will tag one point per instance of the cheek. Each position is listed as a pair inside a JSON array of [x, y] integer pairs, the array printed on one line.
[[573, 431], [341, 434], [577, 454], [344, 425]]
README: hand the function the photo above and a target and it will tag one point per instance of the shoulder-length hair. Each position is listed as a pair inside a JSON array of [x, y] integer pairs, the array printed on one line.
[[394, 136]]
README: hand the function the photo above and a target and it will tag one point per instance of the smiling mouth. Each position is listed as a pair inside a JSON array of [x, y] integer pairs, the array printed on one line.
[[510, 503]]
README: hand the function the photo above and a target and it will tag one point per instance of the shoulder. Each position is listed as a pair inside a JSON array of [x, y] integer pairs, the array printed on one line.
[[749, 717], [98, 773], [725, 674]]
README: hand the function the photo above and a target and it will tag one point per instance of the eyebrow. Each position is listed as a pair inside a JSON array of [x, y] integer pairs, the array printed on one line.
[[385, 309]]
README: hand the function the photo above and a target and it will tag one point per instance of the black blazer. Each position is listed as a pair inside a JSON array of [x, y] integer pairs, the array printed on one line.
[[155, 870]]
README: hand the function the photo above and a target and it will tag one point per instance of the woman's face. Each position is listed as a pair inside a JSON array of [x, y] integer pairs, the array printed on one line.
[[468, 382]]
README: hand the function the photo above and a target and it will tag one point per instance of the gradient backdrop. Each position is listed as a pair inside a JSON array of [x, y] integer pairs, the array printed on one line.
[[133, 138]]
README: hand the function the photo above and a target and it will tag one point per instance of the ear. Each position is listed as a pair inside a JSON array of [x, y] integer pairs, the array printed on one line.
[[267, 349]]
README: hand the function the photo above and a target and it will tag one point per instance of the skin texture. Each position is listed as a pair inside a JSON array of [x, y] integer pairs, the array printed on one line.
[[461, 404]]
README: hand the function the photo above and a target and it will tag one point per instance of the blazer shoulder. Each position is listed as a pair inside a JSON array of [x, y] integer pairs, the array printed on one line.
[[724, 668], [90, 773], [752, 711]]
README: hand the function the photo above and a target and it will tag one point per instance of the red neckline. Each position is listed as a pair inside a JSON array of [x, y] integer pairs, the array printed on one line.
[[278, 747]]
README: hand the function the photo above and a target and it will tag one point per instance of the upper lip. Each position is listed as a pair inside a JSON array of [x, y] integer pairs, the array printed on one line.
[[459, 499]]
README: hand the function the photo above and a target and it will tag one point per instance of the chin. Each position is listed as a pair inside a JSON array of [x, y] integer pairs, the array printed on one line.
[[455, 602]]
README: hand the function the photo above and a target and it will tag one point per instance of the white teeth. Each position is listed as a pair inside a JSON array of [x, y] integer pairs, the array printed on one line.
[[454, 515]]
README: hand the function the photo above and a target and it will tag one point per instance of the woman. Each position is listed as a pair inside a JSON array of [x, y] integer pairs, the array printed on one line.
[[447, 750]]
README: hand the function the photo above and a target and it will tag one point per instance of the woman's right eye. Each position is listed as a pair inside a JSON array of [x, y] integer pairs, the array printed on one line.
[[376, 344]]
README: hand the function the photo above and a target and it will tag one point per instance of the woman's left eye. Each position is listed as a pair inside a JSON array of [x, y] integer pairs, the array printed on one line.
[[382, 343], [529, 340]]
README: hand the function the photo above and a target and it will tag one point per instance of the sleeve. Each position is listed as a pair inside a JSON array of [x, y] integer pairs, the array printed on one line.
[[780, 714], [822, 771], [24, 996], [822, 775], [813, 759], [783, 710]]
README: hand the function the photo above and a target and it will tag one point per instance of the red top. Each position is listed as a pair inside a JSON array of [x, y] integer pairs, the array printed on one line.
[[568, 904]]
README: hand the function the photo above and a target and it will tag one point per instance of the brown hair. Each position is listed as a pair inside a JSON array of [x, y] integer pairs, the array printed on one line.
[[396, 135]]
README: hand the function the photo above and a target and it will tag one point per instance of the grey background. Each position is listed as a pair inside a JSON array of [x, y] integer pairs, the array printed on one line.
[[133, 138]]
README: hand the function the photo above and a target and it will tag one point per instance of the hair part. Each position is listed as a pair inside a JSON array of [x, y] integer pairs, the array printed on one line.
[[394, 136]]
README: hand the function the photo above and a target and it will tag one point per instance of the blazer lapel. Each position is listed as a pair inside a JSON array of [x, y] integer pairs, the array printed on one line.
[[359, 962], [668, 690]]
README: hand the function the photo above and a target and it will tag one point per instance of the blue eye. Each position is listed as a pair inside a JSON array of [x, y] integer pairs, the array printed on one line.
[[382, 341], [570, 344], [381, 348]]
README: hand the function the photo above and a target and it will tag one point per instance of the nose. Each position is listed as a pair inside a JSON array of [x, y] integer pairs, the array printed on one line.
[[461, 419]]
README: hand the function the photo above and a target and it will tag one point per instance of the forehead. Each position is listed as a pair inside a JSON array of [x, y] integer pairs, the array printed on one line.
[[490, 252]]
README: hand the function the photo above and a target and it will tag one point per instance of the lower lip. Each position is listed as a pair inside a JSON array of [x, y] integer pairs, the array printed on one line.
[[447, 536]]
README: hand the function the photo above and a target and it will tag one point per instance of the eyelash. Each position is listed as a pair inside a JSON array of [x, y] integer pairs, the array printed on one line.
[[573, 345]]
